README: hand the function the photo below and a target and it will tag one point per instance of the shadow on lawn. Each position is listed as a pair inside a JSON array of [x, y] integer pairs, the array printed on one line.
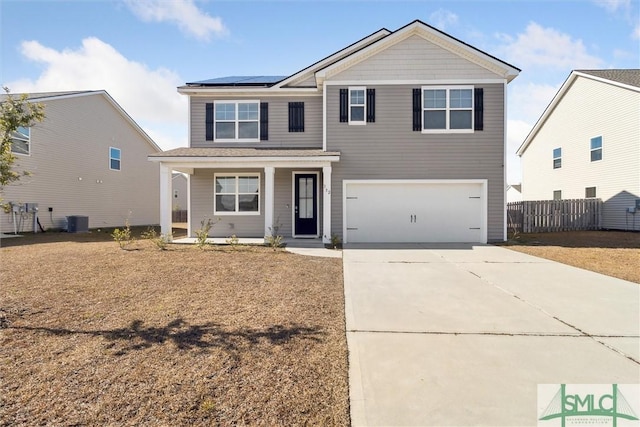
[[184, 336], [93, 235]]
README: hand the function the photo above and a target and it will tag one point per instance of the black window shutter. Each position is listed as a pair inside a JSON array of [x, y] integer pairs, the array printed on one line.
[[417, 110], [296, 117], [371, 105], [344, 105], [478, 108], [264, 121], [209, 121]]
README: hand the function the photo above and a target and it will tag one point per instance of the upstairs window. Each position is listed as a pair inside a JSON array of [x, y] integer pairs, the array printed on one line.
[[447, 109], [114, 158], [357, 105], [596, 148], [20, 140], [557, 195], [590, 192], [557, 158], [237, 121]]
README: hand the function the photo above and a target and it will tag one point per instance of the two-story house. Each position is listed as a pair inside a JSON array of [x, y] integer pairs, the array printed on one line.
[[399, 137], [587, 144], [88, 158]]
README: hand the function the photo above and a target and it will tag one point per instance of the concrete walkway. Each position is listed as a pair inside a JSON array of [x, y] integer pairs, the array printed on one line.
[[462, 335]]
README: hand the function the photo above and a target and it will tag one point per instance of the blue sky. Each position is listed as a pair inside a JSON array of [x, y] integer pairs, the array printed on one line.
[[141, 50]]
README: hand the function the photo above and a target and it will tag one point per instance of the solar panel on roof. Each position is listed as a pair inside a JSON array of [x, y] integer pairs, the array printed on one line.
[[241, 80]]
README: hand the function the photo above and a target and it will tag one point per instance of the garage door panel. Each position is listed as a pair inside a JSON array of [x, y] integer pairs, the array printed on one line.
[[414, 212]]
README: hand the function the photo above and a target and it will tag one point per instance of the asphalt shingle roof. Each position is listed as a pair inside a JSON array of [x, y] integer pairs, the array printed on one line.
[[629, 77]]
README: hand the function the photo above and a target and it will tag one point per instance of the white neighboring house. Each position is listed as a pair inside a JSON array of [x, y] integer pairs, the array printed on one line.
[[514, 193], [88, 158], [587, 144]]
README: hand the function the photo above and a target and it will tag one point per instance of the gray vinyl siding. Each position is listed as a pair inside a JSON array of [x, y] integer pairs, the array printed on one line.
[[420, 59], [308, 82], [389, 149], [69, 166], [202, 194], [279, 135]]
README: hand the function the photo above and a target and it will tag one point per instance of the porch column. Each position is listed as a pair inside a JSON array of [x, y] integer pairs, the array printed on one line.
[[165, 199], [326, 204], [269, 173]]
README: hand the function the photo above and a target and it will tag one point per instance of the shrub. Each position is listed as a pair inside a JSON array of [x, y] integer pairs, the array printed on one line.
[[161, 241], [202, 234], [123, 237]]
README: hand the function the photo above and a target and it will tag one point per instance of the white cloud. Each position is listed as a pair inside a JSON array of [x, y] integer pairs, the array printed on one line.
[[184, 13], [148, 96], [613, 5], [527, 100], [546, 48], [442, 19]]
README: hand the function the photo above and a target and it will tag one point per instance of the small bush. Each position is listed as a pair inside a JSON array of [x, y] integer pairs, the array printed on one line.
[[123, 237], [233, 241], [274, 240], [202, 234], [161, 241], [335, 241]]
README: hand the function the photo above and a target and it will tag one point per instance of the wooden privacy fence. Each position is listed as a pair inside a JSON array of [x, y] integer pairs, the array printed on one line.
[[539, 216]]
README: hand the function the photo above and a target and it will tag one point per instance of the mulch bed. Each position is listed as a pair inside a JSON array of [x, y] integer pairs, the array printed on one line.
[[94, 335]]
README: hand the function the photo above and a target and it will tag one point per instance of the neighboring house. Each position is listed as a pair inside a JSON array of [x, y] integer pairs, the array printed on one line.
[[399, 137], [87, 158], [178, 192], [514, 193], [587, 144]]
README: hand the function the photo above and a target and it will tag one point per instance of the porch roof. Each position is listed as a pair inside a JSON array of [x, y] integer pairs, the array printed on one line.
[[275, 153], [187, 159]]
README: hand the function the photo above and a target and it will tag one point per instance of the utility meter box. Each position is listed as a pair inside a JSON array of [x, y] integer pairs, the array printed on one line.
[[77, 224]]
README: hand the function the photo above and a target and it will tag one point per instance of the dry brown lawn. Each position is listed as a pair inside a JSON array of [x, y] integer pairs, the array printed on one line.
[[614, 253], [94, 335]]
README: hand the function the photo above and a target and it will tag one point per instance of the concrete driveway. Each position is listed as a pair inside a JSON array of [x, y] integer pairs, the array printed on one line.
[[462, 335]]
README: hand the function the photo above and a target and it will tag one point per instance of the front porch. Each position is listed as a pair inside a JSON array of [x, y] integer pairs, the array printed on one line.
[[251, 193], [289, 242]]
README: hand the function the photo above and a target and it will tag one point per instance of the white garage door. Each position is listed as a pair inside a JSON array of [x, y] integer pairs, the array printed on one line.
[[415, 211]]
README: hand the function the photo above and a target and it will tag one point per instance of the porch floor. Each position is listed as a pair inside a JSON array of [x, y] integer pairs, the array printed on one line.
[[310, 247]]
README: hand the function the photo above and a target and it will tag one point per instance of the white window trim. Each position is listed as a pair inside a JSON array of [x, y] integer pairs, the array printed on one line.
[[448, 109], [113, 158], [364, 106], [591, 150], [236, 121], [28, 144], [236, 175], [557, 158]]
